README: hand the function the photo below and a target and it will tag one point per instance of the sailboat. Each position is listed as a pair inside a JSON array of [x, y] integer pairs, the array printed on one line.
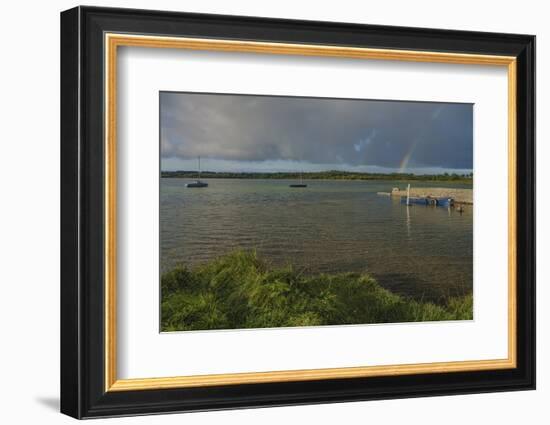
[[301, 184], [198, 183]]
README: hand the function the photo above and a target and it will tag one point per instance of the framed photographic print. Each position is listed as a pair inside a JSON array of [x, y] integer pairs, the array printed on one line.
[[261, 212]]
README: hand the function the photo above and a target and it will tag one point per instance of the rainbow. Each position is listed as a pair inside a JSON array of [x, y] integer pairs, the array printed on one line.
[[405, 161]]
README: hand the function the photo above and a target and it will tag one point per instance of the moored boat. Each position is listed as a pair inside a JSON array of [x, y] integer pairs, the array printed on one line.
[[198, 182], [430, 201], [301, 184], [426, 200]]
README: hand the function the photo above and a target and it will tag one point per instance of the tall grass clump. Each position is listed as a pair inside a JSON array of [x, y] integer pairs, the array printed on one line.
[[239, 291]]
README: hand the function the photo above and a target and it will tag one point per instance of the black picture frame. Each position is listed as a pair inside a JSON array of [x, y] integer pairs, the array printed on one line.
[[83, 392]]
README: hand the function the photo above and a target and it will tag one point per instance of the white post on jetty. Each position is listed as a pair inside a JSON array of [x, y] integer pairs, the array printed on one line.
[[408, 194], [199, 167]]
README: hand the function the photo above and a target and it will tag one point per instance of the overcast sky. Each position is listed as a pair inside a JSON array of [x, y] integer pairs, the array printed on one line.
[[271, 133]]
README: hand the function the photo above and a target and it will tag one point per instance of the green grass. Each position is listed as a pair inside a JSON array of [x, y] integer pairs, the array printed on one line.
[[240, 291]]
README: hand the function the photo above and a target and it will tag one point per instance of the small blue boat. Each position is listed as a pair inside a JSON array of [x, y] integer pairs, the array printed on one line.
[[429, 201], [426, 200]]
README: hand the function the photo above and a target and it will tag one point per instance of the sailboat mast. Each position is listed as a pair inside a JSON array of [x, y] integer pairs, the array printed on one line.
[[301, 184], [198, 183]]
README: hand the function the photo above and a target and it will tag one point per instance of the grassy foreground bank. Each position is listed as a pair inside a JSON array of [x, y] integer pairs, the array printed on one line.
[[241, 291]]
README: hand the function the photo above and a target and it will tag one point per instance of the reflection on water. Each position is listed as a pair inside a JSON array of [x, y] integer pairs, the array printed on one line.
[[330, 226], [408, 209]]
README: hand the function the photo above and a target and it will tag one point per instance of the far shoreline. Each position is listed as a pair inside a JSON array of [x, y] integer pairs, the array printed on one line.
[[452, 178]]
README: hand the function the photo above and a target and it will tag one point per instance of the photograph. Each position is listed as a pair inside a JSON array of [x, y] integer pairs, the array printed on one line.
[[285, 211]]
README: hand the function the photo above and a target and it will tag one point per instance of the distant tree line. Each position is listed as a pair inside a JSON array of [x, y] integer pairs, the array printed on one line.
[[320, 175]]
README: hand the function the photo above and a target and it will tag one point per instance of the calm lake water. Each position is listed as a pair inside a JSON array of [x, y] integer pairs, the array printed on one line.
[[330, 226]]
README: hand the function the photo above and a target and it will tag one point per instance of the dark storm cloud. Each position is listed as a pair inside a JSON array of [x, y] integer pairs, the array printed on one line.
[[321, 131]]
